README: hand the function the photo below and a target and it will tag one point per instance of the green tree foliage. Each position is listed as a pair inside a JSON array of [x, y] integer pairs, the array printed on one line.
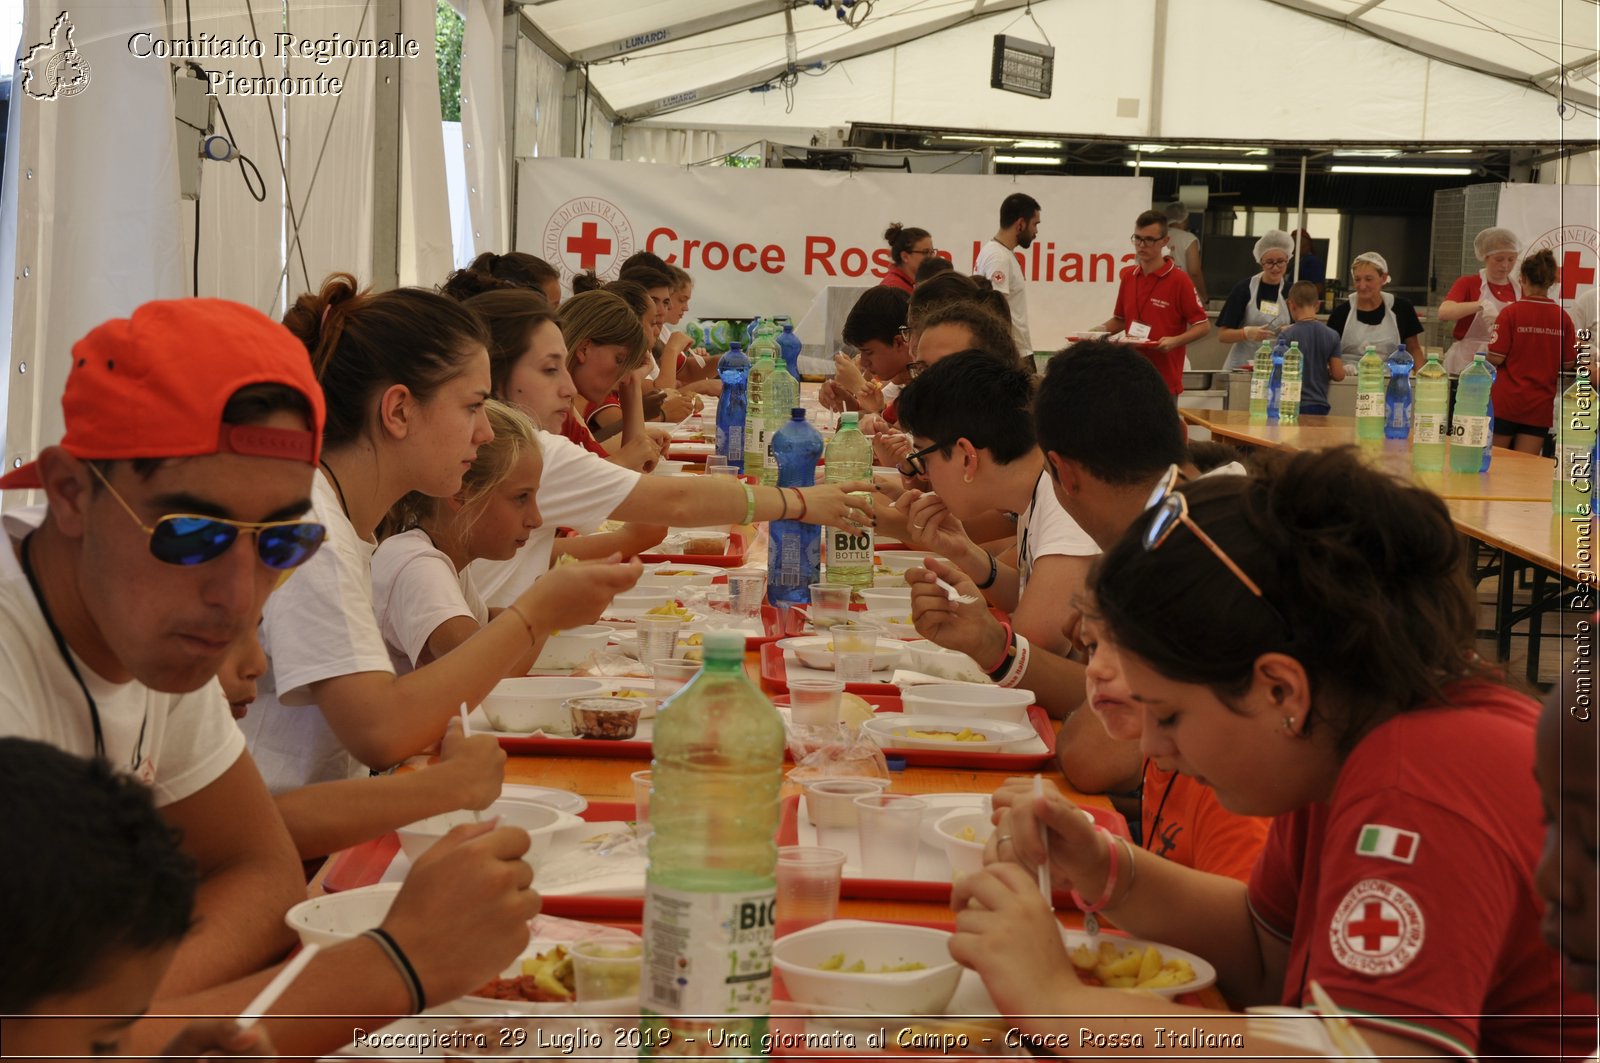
[[447, 44]]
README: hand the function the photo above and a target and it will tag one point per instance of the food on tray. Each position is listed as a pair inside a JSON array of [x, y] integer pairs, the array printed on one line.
[[854, 711], [670, 609], [545, 979], [606, 716], [967, 834], [632, 694], [1129, 967], [837, 962], [705, 545], [966, 734], [677, 572]]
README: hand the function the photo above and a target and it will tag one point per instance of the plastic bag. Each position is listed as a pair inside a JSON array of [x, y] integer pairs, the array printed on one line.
[[822, 754]]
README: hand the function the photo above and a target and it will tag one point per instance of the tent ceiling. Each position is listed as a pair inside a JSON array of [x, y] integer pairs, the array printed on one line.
[[651, 57]]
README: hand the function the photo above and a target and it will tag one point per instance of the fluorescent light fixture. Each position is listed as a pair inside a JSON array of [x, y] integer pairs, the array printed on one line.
[[1046, 145], [1028, 160], [1232, 149], [1149, 149], [975, 140], [1367, 153], [1410, 171], [1184, 164], [1450, 151]]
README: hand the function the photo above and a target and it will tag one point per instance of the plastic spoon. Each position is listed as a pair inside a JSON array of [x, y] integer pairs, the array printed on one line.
[[269, 996]]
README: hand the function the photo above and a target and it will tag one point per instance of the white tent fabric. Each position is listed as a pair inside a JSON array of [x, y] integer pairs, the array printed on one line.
[[536, 116], [1392, 70], [426, 251], [483, 125]]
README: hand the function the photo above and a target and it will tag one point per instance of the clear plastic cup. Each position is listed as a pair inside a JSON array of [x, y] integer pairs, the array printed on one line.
[[808, 886], [658, 637], [642, 787], [671, 675], [606, 970], [721, 468], [745, 593], [830, 604], [888, 827], [854, 648], [815, 702]]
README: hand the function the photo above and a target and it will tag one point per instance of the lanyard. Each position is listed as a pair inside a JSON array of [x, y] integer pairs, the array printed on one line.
[[1155, 823], [1160, 275], [66, 657], [1024, 558]]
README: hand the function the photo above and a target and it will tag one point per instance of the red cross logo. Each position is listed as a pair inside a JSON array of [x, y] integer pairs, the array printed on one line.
[[589, 246], [1573, 274], [1372, 928]]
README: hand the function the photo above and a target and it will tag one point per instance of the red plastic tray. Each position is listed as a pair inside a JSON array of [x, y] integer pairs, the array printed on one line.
[[738, 547], [775, 677], [939, 758]]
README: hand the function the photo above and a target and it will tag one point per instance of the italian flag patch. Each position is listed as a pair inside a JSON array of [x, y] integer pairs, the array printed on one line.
[[1388, 843]]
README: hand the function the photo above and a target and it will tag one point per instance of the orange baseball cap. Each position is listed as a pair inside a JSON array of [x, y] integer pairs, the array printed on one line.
[[154, 386]]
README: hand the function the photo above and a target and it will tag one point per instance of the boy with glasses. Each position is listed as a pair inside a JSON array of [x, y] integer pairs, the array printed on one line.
[[1156, 303]]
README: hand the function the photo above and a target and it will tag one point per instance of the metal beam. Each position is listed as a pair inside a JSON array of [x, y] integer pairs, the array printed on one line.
[[1422, 46], [744, 82], [650, 36], [1575, 67], [386, 154]]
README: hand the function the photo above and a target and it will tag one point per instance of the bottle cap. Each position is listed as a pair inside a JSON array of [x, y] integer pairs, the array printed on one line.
[[896, 763], [724, 644], [797, 413], [849, 417]]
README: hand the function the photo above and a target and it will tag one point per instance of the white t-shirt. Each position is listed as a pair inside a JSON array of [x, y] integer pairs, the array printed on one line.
[[177, 744], [415, 588], [998, 262], [1585, 311], [1178, 243], [1045, 529], [318, 625], [577, 490]]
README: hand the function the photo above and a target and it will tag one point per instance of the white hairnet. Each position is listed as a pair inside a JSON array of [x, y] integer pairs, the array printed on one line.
[[1176, 212], [1494, 239], [1274, 240], [1373, 259]]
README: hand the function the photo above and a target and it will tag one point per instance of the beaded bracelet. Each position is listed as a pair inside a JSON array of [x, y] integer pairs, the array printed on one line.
[[408, 973], [1091, 922]]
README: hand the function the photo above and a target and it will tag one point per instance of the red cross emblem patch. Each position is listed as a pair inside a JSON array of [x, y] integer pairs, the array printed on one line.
[[1378, 928]]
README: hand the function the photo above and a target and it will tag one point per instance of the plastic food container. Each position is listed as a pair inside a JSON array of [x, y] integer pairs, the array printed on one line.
[[605, 717]]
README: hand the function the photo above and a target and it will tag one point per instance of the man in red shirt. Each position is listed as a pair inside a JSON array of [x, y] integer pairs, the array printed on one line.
[[1157, 304]]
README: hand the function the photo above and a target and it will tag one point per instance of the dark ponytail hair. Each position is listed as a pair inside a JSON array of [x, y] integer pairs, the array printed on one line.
[[901, 240], [518, 268], [510, 317], [586, 282], [363, 342], [1539, 268], [463, 284], [1367, 573]]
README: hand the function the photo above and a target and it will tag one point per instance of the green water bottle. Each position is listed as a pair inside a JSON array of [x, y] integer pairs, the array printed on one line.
[[710, 891], [1289, 400], [1431, 406], [1369, 395], [759, 384], [1573, 490], [847, 553], [1260, 383]]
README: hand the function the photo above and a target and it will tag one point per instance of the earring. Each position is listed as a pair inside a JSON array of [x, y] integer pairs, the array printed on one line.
[[1288, 725]]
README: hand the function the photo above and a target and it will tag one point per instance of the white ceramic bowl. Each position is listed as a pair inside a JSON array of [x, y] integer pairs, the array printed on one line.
[[966, 857], [669, 467], [336, 917], [798, 956], [640, 600], [895, 625], [941, 663], [1204, 974], [887, 599], [816, 651], [541, 822], [572, 647], [902, 561], [968, 699], [889, 731], [534, 703]]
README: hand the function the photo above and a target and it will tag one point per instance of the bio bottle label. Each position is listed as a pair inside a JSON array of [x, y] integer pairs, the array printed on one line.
[[1291, 391], [1258, 388], [1426, 429], [1369, 404], [1472, 431], [707, 953]]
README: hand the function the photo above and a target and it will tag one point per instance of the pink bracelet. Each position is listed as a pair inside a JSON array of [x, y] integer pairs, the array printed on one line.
[[1111, 878]]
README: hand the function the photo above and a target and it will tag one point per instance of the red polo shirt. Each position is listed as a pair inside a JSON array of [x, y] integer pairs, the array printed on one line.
[[1166, 301]]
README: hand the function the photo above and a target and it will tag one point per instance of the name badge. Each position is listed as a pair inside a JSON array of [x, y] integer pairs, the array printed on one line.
[[1269, 309], [1139, 331]]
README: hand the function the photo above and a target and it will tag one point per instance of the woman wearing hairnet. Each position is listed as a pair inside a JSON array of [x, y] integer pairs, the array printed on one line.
[[1257, 307], [1374, 316], [1475, 300]]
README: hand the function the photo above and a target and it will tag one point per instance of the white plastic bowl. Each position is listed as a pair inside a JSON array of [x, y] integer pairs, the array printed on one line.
[[640, 600], [798, 956], [677, 577], [966, 857], [887, 599], [534, 703], [815, 651], [895, 625], [336, 917], [888, 730], [572, 647], [669, 467], [968, 699], [902, 560], [541, 822]]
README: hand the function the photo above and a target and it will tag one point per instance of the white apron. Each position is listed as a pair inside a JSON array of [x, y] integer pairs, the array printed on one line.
[[1358, 335], [1244, 350], [1480, 328]]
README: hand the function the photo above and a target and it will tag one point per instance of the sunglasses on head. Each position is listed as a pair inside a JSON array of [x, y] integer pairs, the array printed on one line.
[[193, 539], [1171, 509]]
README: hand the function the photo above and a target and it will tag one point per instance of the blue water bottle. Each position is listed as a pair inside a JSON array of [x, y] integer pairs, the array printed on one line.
[[1275, 388], [1397, 402], [794, 556], [1488, 448], [734, 370], [789, 347]]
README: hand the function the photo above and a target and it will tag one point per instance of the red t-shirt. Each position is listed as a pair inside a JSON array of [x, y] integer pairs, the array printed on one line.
[[1537, 338], [578, 432], [898, 278], [1166, 301], [1184, 822], [1410, 893], [1467, 289]]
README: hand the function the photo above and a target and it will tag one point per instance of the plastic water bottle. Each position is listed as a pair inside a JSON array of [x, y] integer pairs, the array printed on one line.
[[1432, 407], [734, 370], [1488, 448], [1260, 381], [1397, 402], [1575, 444], [1275, 389], [794, 556], [758, 395], [1289, 402], [789, 348], [1470, 436], [711, 887], [1369, 395], [848, 553], [784, 396]]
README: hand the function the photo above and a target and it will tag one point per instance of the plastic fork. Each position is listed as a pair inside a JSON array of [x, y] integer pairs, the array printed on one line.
[[951, 594]]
